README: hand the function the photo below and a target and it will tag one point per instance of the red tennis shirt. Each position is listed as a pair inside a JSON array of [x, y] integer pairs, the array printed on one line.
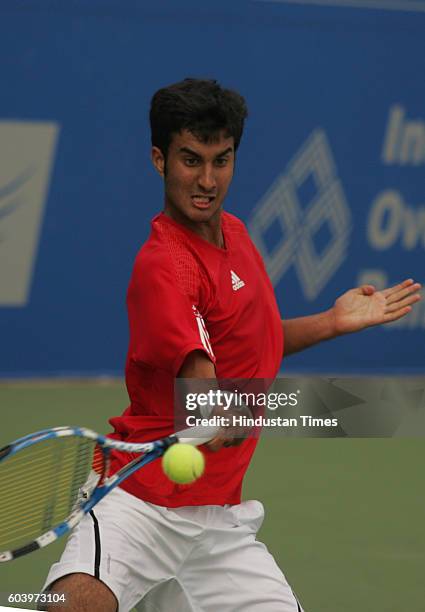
[[187, 294]]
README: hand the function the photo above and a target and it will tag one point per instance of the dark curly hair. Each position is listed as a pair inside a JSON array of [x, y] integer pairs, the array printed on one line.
[[200, 106]]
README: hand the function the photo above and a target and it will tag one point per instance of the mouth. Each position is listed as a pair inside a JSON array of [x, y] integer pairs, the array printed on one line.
[[202, 202]]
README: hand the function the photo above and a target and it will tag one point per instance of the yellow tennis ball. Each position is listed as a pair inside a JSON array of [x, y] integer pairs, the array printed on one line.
[[183, 463]]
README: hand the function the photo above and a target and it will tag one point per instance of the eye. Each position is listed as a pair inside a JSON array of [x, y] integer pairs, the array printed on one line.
[[221, 161], [191, 161]]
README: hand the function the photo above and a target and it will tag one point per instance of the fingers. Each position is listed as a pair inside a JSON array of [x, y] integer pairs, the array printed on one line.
[[230, 434], [221, 441], [395, 306], [401, 297], [224, 439], [408, 285], [216, 443], [394, 316]]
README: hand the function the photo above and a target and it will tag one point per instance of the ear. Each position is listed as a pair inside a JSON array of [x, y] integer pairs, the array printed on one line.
[[158, 160]]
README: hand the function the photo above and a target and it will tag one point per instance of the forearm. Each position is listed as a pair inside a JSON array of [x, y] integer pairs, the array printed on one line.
[[198, 367], [302, 332]]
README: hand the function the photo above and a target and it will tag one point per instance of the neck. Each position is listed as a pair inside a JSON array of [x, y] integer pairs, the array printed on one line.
[[209, 230]]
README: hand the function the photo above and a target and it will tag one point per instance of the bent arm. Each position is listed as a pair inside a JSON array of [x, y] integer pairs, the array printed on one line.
[[198, 365], [303, 332]]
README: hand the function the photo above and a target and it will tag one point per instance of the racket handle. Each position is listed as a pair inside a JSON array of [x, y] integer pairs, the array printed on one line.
[[197, 435]]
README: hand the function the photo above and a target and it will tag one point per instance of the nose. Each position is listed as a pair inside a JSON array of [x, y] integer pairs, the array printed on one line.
[[206, 178]]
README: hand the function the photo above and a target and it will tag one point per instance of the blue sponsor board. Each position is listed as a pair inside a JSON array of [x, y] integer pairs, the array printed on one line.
[[329, 178]]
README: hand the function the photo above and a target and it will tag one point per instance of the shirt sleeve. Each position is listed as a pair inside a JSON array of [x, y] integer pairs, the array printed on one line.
[[165, 323]]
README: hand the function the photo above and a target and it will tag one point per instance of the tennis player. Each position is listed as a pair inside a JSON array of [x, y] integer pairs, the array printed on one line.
[[200, 305]]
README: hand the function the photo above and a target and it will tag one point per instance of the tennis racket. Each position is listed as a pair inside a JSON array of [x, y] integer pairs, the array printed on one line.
[[44, 490]]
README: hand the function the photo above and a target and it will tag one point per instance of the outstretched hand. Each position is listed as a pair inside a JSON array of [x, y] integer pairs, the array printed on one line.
[[365, 306]]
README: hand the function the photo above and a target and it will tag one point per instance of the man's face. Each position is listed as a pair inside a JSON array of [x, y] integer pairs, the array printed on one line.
[[197, 176]]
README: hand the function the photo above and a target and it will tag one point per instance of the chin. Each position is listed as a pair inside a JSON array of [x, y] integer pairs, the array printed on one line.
[[192, 214]]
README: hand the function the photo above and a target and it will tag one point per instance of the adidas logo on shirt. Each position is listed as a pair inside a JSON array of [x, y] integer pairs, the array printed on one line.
[[237, 283]]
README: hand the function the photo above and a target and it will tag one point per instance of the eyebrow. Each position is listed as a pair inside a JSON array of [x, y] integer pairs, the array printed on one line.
[[195, 154]]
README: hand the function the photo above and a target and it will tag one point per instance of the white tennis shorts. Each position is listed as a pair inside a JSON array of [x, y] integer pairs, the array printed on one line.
[[190, 559]]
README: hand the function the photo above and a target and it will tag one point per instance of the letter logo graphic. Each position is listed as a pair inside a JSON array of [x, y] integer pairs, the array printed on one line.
[[26, 155], [237, 283], [302, 222]]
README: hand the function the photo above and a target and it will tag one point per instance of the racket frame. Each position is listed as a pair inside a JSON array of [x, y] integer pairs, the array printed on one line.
[[149, 451]]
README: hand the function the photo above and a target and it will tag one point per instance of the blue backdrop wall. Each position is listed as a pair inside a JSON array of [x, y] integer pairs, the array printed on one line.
[[330, 173]]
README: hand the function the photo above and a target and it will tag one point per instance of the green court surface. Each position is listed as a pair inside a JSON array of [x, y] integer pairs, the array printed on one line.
[[344, 518]]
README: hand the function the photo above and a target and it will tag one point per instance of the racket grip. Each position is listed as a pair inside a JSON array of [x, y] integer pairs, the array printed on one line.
[[197, 435]]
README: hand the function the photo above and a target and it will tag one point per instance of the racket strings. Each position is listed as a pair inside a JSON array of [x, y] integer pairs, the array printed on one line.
[[38, 465], [16, 501], [39, 487]]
